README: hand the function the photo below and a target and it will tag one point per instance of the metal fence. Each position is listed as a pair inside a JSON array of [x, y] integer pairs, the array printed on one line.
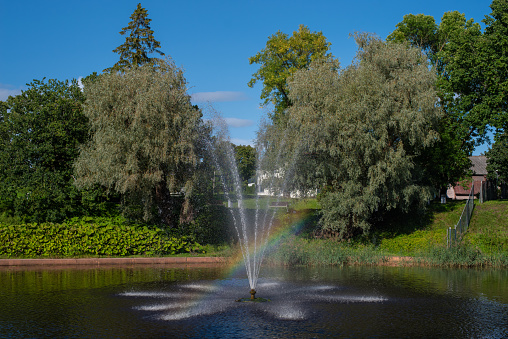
[[455, 234], [488, 191]]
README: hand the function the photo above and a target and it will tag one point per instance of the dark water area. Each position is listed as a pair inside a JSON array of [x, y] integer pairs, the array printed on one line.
[[199, 302]]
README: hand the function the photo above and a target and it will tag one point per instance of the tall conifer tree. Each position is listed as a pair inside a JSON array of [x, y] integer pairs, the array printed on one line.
[[138, 44]]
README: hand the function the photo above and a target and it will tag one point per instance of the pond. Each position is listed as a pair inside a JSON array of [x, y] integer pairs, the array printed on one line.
[[196, 302]]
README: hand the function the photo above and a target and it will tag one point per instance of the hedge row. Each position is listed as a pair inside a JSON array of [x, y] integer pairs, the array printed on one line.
[[90, 236]]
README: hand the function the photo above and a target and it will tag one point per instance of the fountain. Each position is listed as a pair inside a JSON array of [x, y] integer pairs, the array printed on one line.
[[252, 235]]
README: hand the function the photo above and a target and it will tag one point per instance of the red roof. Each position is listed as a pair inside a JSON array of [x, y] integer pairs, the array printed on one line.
[[459, 190]]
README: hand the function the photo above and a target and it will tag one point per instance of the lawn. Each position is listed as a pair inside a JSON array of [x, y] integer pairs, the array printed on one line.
[[488, 230]]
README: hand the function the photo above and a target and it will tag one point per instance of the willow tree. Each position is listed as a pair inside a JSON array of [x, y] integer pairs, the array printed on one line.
[[358, 133], [144, 131]]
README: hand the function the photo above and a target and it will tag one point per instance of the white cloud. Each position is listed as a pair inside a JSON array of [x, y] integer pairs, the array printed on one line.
[[242, 142], [80, 84], [219, 96], [235, 122], [6, 90]]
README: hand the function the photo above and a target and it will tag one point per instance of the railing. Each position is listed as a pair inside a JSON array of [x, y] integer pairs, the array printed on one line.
[[488, 191], [454, 235]]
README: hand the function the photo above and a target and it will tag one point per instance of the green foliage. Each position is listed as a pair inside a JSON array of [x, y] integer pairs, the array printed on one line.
[[472, 75], [368, 122], [210, 226], [145, 133], [492, 67], [419, 30], [138, 44], [497, 159], [450, 47], [40, 132], [280, 59], [245, 157], [294, 251], [90, 236], [463, 256], [5, 218], [250, 190]]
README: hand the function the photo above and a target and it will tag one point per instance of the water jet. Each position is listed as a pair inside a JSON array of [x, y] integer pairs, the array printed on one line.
[[252, 229]]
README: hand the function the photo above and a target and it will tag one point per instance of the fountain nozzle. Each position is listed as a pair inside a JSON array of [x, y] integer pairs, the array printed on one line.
[[253, 298]]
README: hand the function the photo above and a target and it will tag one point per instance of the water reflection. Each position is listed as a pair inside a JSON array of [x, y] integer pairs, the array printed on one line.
[[162, 301]]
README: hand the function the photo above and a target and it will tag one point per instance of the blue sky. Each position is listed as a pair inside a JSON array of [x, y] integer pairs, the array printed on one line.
[[210, 40]]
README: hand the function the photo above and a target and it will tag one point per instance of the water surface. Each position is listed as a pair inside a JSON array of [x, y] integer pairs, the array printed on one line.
[[196, 302]]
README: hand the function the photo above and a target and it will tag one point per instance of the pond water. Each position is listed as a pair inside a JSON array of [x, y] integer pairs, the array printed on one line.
[[199, 302]]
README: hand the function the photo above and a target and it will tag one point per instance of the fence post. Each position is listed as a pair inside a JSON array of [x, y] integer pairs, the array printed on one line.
[[481, 192], [464, 220]]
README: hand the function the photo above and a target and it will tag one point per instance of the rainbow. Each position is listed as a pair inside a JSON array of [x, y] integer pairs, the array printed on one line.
[[201, 298], [276, 235]]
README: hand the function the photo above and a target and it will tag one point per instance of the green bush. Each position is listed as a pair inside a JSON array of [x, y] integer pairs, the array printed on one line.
[[90, 236], [211, 226]]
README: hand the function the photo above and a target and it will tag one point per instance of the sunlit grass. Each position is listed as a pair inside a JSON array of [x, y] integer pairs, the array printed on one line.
[[414, 234], [488, 230]]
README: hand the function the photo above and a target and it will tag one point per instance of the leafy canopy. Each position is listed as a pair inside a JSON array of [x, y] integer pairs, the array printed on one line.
[[493, 65], [138, 44], [450, 47], [144, 132], [280, 59], [356, 134], [498, 159], [40, 132], [245, 156]]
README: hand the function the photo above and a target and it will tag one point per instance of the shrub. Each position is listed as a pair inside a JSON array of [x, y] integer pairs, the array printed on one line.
[[209, 227], [90, 236]]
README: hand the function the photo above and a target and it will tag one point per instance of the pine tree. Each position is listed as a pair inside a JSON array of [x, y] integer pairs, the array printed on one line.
[[138, 44]]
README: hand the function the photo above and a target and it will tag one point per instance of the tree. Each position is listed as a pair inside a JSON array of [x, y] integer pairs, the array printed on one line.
[[493, 66], [280, 59], [40, 131], [497, 158], [451, 47], [246, 161], [138, 45], [357, 133], [143, 145]]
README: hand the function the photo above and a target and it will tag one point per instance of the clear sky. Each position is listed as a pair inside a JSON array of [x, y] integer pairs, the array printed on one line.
[[210, 40]]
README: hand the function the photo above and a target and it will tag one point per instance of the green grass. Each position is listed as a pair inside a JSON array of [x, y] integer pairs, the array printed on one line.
[[413, 234], [484, 244], [420, 236], [294, 251], [253, 202], [488, 231]]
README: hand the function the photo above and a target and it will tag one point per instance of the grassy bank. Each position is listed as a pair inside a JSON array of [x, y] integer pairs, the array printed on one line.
[[422, 237]]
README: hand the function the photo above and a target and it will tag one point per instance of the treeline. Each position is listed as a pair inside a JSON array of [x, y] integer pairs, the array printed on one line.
[[384, 134], [394, 129]]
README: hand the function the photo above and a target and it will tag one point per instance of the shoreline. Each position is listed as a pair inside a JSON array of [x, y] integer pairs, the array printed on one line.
[[111, 261], [99, 262]]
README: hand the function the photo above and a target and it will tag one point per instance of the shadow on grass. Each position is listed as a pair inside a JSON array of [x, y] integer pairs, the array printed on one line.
[[394, 223]]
